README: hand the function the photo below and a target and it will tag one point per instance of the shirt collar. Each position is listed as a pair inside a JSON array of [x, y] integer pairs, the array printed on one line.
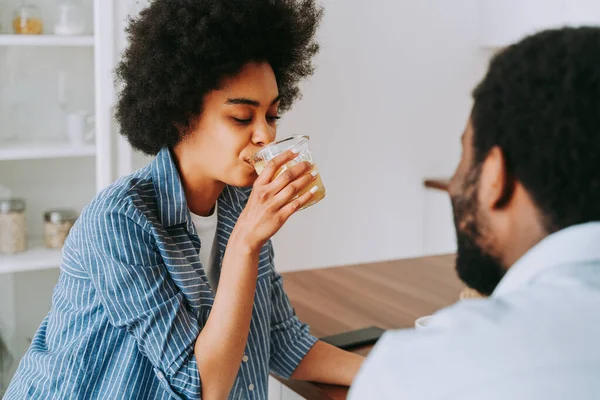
[[573, 245], [172, 205]]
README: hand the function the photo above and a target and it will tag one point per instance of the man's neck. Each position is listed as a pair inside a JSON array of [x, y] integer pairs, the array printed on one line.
[[525, 231]]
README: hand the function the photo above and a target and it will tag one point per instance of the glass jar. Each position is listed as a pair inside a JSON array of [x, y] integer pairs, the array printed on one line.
[[27, 20], [70, 18], [13, 230], [57, 224]]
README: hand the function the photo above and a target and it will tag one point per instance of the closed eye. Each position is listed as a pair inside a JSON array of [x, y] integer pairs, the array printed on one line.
[[242, 121]]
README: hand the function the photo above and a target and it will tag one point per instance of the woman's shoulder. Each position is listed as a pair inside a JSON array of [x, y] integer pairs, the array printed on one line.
[[132, 197]]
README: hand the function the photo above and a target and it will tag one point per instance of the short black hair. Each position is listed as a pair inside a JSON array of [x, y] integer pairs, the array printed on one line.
[[540, 104], [180, 50]]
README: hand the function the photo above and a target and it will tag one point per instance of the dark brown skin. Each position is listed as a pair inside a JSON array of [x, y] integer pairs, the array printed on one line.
[[514, 220]]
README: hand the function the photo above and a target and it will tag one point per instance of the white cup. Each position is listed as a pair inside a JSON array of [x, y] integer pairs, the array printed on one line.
[[423, 322], [80, 127]]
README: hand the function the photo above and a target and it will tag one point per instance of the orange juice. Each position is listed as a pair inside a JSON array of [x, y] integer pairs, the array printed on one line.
[[319, 194]]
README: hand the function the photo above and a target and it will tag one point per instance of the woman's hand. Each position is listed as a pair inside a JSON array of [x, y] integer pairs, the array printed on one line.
[[273, 200]]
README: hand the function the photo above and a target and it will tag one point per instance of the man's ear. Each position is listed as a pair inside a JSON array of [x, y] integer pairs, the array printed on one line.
[[496, 183]]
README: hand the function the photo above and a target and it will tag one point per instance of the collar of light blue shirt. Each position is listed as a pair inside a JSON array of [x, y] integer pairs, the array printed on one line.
[[573, 245]]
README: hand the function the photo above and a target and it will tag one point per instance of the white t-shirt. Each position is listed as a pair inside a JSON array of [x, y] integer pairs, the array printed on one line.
[[206, 227]]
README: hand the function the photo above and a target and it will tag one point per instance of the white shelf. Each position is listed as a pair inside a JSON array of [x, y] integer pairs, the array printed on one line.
[[46, 40], [41, 150], [35, 258]]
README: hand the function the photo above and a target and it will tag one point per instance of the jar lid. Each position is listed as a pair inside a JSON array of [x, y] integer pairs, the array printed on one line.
[[11, 205], [60, 215]]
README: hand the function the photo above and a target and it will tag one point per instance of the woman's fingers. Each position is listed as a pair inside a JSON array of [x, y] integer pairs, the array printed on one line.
[[273, 166]]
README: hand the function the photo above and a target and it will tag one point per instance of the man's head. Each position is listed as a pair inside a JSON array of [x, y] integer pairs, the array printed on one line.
[[531, 152]]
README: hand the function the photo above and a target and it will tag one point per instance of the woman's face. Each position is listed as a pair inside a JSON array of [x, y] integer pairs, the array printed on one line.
[[236, 121]]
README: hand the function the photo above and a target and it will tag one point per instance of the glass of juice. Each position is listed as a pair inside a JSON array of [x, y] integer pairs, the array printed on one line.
[[301, 144]]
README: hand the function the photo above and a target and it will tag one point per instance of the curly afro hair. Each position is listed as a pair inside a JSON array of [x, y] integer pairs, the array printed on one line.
[[180, 50], [540, 103]]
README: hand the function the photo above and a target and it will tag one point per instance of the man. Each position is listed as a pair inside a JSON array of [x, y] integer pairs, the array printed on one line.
[[526, 200]]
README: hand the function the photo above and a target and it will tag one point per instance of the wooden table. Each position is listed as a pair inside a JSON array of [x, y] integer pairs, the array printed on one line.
[[390, 295]]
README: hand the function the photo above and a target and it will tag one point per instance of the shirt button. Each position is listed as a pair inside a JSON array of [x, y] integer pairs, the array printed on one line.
[[245, 358], [251, 387]]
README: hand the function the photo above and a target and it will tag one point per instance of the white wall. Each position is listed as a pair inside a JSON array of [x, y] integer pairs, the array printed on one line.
[[385, 109], [504, 22]]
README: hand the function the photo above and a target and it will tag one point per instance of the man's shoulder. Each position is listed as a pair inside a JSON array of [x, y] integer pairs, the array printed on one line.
[[476, 341]]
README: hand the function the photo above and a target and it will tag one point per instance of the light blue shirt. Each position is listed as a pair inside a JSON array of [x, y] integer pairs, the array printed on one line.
[[536, 337], [133, 296]]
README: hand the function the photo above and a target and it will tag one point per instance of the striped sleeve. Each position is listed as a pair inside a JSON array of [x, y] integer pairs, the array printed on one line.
[[138, 295], [290, 339]]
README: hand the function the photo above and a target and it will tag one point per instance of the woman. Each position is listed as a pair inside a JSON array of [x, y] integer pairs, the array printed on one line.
[[167, 287]]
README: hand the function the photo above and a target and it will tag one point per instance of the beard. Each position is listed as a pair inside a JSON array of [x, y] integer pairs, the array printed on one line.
[[476, 264]]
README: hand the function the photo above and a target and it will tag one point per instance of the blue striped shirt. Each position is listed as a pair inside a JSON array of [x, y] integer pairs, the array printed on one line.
[[132, 298]]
